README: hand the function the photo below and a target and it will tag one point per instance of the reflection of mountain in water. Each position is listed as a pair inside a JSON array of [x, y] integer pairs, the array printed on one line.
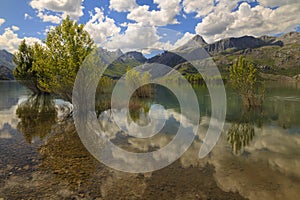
[[10, 92]]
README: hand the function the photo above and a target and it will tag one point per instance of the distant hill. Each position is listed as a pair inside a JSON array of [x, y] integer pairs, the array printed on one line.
[[6, 59], [6, 73], [275, 55], [119, 66]]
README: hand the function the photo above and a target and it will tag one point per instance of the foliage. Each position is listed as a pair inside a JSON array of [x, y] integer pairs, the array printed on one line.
[[244, 78], [24, 71], [136, 79], [66, 47], [52, 67]]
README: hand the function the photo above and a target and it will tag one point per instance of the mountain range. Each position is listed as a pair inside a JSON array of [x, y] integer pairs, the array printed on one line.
[[271, 55], [274, 55]]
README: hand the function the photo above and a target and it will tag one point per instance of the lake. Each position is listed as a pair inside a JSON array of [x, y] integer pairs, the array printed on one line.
[[256, 157]]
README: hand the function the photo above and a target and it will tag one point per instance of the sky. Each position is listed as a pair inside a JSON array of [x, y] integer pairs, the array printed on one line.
[[147, 24]]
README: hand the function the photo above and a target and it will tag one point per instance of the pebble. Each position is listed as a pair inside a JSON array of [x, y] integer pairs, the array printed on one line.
[[26, 167]]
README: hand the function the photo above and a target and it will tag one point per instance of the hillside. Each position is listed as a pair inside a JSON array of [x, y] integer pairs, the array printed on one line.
[[5, 73], [274, 59], [273, 55], [6, 59]]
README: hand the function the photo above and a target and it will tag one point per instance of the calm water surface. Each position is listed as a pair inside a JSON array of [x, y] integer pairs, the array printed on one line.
[[257, 156]]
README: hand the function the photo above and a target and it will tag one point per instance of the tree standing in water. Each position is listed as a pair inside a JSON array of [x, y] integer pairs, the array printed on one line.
[[244, 78]]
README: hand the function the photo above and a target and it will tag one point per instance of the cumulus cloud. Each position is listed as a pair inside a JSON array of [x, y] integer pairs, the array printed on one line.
[[73, 8], [15, 28], [101, 27], [201, 7], [122, 6], [275, 3], [205, 7], [247, 20], [136, 37], [2, 21], [49, 18], [168, 10], [10, 41]]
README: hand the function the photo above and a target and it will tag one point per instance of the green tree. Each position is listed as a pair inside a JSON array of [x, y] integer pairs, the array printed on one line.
[[136, 79], [66, 48], [24, 72], [244, 78]]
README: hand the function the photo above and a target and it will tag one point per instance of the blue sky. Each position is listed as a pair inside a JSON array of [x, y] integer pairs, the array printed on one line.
[[147, 24]]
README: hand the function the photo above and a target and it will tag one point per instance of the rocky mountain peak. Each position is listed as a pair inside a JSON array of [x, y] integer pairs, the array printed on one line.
[[199, 39], [133, 55]]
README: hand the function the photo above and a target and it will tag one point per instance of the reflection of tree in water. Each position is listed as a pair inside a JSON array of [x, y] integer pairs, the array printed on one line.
[[241, 133], [138, 109], [37, 116]]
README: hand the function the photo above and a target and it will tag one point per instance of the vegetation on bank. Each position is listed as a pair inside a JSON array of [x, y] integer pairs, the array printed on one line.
[[136, 79], [52, 67], [244, 78]]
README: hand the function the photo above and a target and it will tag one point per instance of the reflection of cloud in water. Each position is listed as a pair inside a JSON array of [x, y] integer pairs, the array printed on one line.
[[9, 116], [265, 172], [170, 118]]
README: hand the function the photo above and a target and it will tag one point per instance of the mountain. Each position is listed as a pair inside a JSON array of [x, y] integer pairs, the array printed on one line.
[[119, 65], [6, 59], [280, 55], [109, 56], [290, 38], [132, 55], [276, 55], [240, 43], [5, 73]]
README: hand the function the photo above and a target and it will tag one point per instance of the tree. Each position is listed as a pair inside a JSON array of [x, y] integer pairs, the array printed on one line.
[[244, 78], [66, 48], [136, 79], [24, 72]]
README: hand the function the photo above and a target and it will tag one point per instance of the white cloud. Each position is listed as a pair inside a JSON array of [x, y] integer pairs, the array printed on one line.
[[254, 21], [101, 27], [168, 10], [73, 8], [49, 18], [205, 7], [136, 37], [27, 16], [201, 7], [274, 3], [122, 6], [2, 21], [15, 28], [10, 41]]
